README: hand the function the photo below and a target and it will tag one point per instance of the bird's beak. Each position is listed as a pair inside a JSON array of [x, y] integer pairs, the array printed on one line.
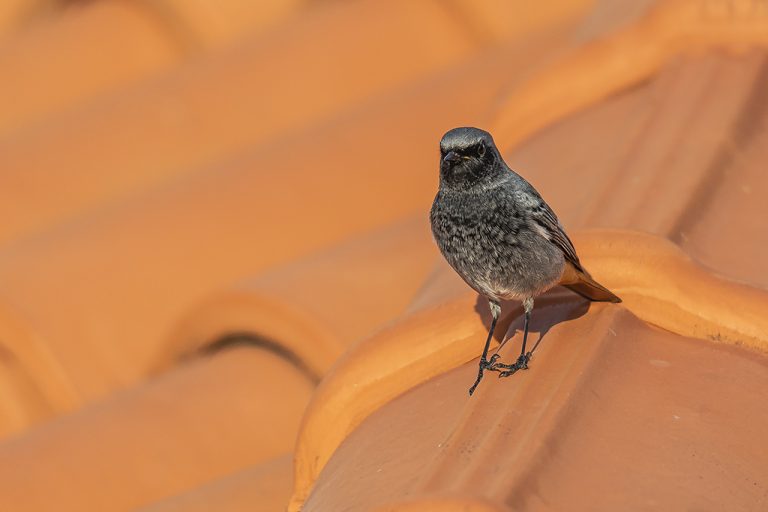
[[451, 156]]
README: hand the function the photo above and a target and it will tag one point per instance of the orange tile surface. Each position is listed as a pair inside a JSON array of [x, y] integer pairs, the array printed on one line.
[[662, 32], [442, 330], [262, 488], [218, 288], [538, 441], [333, 297], [202, 23], [205, 420], [79, 51], [201, 114], [15, 14], [679, 147], [666, 191], [84, 51], [203, 222]]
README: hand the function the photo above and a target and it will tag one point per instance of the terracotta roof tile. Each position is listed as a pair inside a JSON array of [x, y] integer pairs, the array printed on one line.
[[501, 20], [262, 488], [622, 58], [183, 255], [334, 297], [206, 23], [62, 61], [165, 251], [16, 14], [682, 166], [609, 187], [615, 415], [443, 331], [89, 49], [221, 105], [200, 422]]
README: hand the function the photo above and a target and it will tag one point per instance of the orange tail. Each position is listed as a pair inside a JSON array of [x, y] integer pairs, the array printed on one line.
[[581, 282]]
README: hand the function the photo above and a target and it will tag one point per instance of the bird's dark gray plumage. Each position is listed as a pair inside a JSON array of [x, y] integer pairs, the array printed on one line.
[[499, 235]]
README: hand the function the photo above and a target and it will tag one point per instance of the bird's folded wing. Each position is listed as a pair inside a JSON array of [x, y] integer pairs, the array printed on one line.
[[543, 215]]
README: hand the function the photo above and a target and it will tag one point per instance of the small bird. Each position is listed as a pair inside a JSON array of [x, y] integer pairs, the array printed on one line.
[[500, 236]]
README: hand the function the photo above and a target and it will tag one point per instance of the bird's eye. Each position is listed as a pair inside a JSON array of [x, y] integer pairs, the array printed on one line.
[[481, 150]]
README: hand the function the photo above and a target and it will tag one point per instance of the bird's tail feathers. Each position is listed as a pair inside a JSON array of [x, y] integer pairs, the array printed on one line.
[[580, 282]]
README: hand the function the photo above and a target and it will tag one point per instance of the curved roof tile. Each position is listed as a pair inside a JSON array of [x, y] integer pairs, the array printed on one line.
[[222, 105], [657, 281], [202, 421], [165, 251], [85, 50], [613, 415], [202, 213], [334, 297], [261, 488]]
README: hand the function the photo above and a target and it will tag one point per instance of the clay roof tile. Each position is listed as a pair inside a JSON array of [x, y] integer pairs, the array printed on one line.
[[202, 421], [182, 259]]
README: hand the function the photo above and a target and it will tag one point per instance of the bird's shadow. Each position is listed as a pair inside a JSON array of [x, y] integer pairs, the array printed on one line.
[[558, 305]]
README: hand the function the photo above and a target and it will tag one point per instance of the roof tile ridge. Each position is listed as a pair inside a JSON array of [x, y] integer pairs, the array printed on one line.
[[658, 282], [619, 59]]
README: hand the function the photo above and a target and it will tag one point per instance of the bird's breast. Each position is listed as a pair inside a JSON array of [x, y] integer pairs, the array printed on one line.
[[494, 247]]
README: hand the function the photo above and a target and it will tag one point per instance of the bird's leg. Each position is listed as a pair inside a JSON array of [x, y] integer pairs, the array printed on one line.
[[485, 364], [522, 361]]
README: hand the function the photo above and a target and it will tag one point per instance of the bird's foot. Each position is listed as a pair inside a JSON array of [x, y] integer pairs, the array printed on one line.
[[486, 364], [520, 364], [491, 364], [494, 366]]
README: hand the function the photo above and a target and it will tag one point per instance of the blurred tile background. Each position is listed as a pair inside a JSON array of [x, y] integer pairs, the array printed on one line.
[[210, 208]]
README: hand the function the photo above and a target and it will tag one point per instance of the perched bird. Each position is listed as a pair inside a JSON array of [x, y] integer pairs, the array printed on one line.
[[500, 236]]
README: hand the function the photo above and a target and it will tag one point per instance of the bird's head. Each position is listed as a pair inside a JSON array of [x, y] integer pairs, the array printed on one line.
[[468, 158]]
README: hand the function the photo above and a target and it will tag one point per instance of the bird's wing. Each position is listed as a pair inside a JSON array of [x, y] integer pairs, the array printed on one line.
[[551, 228]]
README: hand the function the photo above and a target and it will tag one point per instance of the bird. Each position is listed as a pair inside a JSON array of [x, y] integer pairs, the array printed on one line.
[[500, 236]]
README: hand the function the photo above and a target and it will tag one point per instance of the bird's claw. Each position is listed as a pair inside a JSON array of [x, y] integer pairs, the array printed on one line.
[[520, 364], [485, 364], [491, 364]]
